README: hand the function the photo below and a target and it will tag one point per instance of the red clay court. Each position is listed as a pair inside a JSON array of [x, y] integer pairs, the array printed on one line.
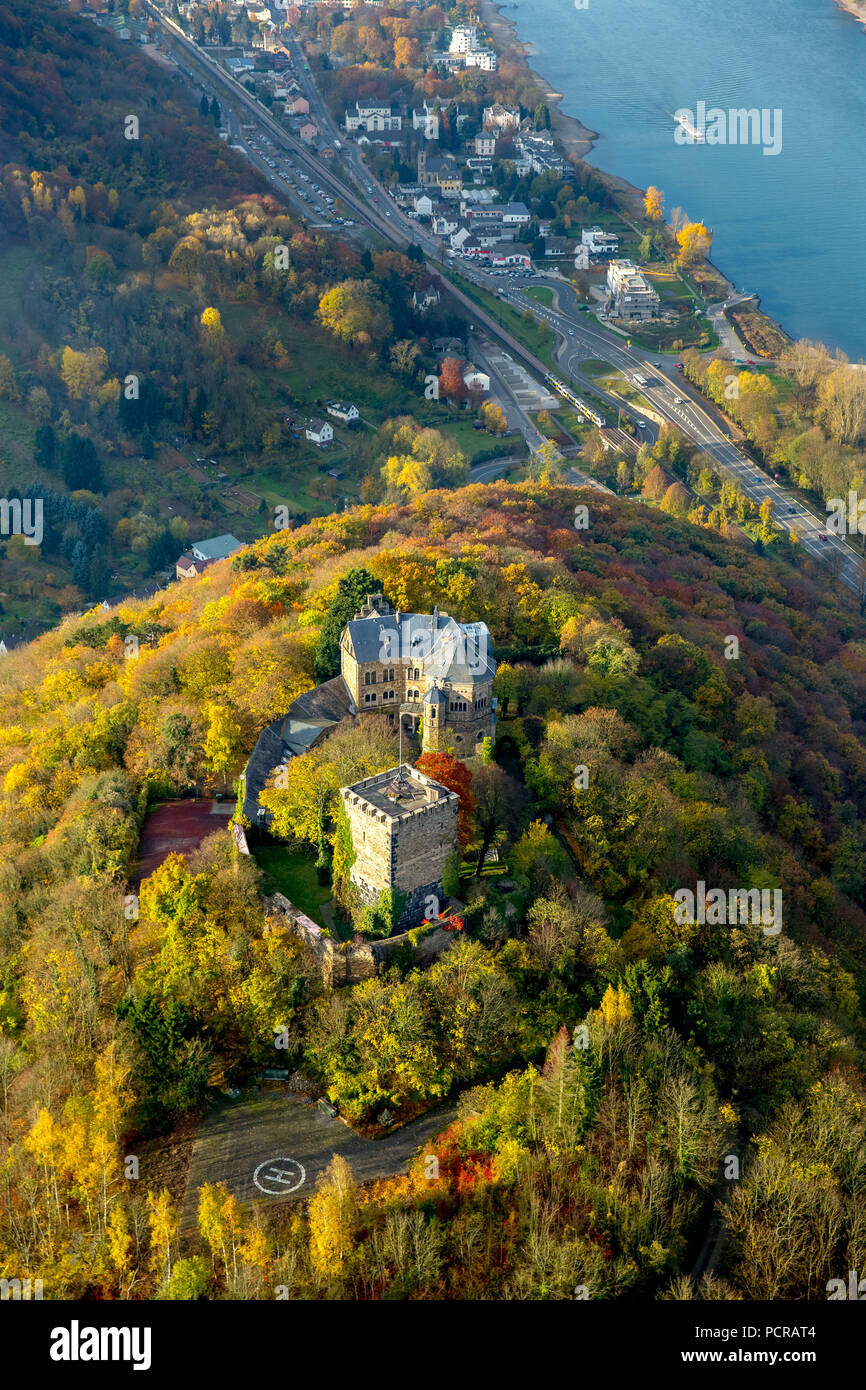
[[178, 827]]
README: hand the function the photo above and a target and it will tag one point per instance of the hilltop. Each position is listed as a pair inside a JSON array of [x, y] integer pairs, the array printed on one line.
[[745, 770]]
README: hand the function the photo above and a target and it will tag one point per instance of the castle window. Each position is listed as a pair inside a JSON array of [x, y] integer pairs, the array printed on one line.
[[370, 677], [370, 699]]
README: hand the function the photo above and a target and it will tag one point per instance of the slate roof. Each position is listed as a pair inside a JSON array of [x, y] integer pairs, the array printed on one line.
[[308, 719], [216, 547], [449, 651]]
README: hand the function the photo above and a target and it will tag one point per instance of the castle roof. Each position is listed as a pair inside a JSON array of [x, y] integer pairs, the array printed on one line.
[[401, 791], [456, 653]]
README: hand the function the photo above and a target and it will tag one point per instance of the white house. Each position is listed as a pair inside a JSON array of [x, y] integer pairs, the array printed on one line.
[[373, 118], [424, 205], [595, 247], [483, 58], [474, 380], [427, 121], [485, 143], [444, 223], [425, 293], [343, 410], [499, 117], [319, 432]]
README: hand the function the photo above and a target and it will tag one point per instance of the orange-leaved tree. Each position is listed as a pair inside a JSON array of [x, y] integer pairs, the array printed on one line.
[[455, 775]]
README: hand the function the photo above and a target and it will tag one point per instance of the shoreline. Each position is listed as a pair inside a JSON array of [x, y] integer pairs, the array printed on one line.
[[856, 8], [578, 139]]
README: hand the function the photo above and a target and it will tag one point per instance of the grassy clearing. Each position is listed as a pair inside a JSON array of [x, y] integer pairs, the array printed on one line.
[[292, 872], [542, 293], [537, 337]]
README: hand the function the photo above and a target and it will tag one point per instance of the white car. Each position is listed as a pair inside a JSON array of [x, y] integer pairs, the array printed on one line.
[[678, 400]]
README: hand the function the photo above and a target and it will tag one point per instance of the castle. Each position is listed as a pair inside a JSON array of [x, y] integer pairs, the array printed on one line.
[[426, 665], [404, 829]]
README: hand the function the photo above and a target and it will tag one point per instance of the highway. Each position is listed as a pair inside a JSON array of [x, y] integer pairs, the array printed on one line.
[[577, 339], [671, 397]]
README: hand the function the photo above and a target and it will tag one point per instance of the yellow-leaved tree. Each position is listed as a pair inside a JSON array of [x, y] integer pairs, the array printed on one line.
[[654, 202], [332, 1214]]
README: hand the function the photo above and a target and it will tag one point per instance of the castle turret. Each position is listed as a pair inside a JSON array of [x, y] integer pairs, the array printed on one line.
[[404, 830]]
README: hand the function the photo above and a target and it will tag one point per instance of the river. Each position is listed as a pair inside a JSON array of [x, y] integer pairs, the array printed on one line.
[[788, 225]]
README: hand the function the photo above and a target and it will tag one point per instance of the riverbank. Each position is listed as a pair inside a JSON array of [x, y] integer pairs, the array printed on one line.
[[578, 140], [857, 8]]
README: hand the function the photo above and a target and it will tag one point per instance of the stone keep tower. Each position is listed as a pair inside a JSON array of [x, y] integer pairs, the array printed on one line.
[[404, 830]]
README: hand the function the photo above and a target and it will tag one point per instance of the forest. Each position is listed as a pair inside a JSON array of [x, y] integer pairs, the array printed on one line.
[[147, 324], [605, 1056]]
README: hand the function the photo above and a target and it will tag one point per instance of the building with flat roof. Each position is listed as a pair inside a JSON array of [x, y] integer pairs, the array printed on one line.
[[403, 826], [631, 296]]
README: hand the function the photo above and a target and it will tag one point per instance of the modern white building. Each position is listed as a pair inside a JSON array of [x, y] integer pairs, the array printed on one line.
[[464, 39], [483, 58], [630, 294], [595, 248]]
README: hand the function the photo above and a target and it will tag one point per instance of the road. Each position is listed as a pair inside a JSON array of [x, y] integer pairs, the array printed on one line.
[[671, 397], [577, 339]]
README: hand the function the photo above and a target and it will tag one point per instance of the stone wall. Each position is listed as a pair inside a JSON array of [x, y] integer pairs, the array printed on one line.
[[349, 963]]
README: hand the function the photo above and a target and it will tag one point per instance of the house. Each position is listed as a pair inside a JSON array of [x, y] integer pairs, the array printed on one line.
[[343, 410], [444, 223], [373, 118], [298, 106], [424, 205], [188, 567], [203, 553], [319, 432], [474, 380], [596, 247], [630, 294], [556, 246], [427, 121], [308, 131], [216, 547], [499, 117], [425, 293], [483, 58], [485, 143]]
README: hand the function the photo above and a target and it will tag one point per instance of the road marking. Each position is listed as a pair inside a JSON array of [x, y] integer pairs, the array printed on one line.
[[283, 1175]]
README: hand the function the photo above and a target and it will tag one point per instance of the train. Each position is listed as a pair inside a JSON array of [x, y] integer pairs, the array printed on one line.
[[566, 391]]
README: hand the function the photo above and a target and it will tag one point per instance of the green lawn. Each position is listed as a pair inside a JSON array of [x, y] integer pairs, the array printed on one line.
[[537, 337], [542, 293], [292, 872]]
